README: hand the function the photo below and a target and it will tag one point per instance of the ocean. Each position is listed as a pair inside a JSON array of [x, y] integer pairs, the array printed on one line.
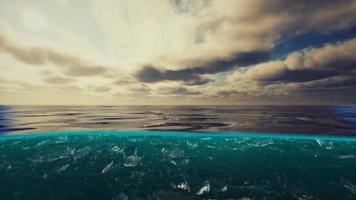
[[314, 120], [177, 152]]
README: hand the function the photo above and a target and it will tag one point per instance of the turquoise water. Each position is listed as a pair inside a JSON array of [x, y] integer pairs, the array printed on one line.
[[176, 165]]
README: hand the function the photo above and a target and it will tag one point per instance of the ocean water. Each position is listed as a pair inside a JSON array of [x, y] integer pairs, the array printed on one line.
[[315, 120], [201, 152]]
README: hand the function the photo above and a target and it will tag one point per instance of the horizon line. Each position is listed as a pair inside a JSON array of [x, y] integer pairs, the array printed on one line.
[[267, 104]]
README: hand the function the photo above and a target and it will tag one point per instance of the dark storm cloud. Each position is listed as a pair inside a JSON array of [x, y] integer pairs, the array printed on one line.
[[73, 66], [192, 76]]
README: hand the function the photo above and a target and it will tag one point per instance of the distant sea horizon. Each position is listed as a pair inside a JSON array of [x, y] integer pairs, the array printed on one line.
[[295, 119]]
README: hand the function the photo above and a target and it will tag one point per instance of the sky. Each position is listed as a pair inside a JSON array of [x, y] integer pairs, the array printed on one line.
[[167, 52]]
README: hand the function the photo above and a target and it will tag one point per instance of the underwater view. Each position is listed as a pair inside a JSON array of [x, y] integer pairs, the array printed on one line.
[[167, 152]]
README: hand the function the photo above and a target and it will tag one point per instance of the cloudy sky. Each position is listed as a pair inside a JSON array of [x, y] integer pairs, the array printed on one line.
[[177, 52]]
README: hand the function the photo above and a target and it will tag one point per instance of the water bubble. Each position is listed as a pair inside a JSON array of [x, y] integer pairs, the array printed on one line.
[[224, 189], [63, 168], [107, 167], [132, 160], [184, 185], [115, 149], [204, 189]]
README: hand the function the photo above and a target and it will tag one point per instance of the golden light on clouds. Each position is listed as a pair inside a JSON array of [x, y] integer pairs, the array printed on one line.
[[195, 52]]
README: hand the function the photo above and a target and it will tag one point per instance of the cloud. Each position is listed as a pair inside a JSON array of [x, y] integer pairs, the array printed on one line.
[[178, 91], [150, 74], [82, 70], [193, 76], [307, 65], [328, 70], [70, 88], [340, 86], [57, 80], [140, 89], [126, 80], [102, 89], [223, 34], [337, 82], [182, 45], [72, 65], [224, 28]]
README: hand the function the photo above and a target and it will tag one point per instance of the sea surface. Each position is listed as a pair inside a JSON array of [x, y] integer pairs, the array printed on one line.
[[315, 120], [181, 152]]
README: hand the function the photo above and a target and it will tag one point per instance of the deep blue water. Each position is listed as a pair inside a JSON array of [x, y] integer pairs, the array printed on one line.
[[219, 152]]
